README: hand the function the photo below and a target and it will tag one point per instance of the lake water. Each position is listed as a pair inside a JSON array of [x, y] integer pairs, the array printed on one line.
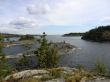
[[87, 54]]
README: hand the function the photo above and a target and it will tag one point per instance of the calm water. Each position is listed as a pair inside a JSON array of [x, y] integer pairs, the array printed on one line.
[[87, 54]]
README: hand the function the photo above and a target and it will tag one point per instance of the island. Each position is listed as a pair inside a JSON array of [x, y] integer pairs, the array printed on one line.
[[72, 34], [27, 37], [99, 34]]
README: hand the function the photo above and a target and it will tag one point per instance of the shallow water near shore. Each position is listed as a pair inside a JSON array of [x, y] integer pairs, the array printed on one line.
[[87, 54]]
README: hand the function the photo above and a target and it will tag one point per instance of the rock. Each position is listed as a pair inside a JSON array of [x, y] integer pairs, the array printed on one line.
[[38, 76], [56, 80], [100, 79], [68, 69], [26, 74], [83, 79], [41, 76]]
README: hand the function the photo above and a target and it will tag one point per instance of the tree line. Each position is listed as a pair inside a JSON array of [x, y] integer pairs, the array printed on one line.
[[99, 34]]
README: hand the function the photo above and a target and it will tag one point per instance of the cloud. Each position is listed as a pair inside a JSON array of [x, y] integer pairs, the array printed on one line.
[[70, 12], [6, 28], [20, 25], [74, 12], [105, 19], [22, 22], [30, 15], [38, 9]]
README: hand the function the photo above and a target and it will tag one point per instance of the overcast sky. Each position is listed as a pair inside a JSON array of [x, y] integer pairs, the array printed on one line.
[[52, 16]]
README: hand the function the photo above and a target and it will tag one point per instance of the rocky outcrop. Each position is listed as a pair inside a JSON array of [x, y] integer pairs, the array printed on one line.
[[51, 75], [63, 47], [26, 74], [37, 74], [99, 79], [56, 80]]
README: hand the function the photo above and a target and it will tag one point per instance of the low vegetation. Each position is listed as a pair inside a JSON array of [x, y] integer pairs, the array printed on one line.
[[23, 63], [5, 68], [100, 68]]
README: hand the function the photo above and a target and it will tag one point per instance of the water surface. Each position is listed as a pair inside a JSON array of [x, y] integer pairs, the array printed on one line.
[[87, 54]]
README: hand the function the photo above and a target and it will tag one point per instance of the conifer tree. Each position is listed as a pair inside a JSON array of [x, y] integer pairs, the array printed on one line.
[[47, 55]]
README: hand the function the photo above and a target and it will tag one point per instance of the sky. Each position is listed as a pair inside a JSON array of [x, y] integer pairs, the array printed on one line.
[[52, 16]]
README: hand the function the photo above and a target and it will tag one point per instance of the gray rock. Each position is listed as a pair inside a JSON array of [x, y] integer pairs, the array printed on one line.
[[26, 73], [56, 80]]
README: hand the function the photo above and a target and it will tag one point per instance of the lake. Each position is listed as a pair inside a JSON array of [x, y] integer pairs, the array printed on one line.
[[88, 53]]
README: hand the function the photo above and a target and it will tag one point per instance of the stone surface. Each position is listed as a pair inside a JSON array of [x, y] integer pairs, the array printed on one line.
[[100, 79], [26, 74], [56, 80]]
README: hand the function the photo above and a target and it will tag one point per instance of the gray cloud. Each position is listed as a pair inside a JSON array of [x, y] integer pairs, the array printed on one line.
[[22, 22], [19, 25], [40, 9]]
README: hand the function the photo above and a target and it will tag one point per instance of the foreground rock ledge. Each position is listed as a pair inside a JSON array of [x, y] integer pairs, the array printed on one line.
[[34, 73], [25, 74], [72, 73]]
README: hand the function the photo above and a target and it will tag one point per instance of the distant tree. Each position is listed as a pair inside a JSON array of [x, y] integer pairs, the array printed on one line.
[[47, 55], [100, 34], [73, 34], [27, 37]]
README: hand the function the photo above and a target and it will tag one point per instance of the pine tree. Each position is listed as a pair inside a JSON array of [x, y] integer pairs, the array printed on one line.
[[47, 55]]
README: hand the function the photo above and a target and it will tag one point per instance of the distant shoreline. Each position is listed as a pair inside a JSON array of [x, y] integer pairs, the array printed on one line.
[[72, 34]]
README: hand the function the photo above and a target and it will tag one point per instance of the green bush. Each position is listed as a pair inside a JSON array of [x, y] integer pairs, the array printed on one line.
[[80, 67], [100, 68], [23, 63], [55, 72], [5, 68]]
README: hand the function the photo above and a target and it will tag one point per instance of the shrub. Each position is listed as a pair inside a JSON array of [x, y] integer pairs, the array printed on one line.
[[78, 75], [5, 68], [55, 72], [80, 67], [23, 63], [100, 68]]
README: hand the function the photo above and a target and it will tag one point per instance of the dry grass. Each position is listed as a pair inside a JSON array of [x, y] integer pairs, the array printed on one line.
[[55, 72], [77, 76]]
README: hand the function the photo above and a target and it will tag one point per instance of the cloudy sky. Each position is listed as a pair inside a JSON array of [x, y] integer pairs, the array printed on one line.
[[52, 16]]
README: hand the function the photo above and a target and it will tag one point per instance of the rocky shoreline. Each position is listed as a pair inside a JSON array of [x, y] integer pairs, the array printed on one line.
[[60, 74], [63, 49]]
